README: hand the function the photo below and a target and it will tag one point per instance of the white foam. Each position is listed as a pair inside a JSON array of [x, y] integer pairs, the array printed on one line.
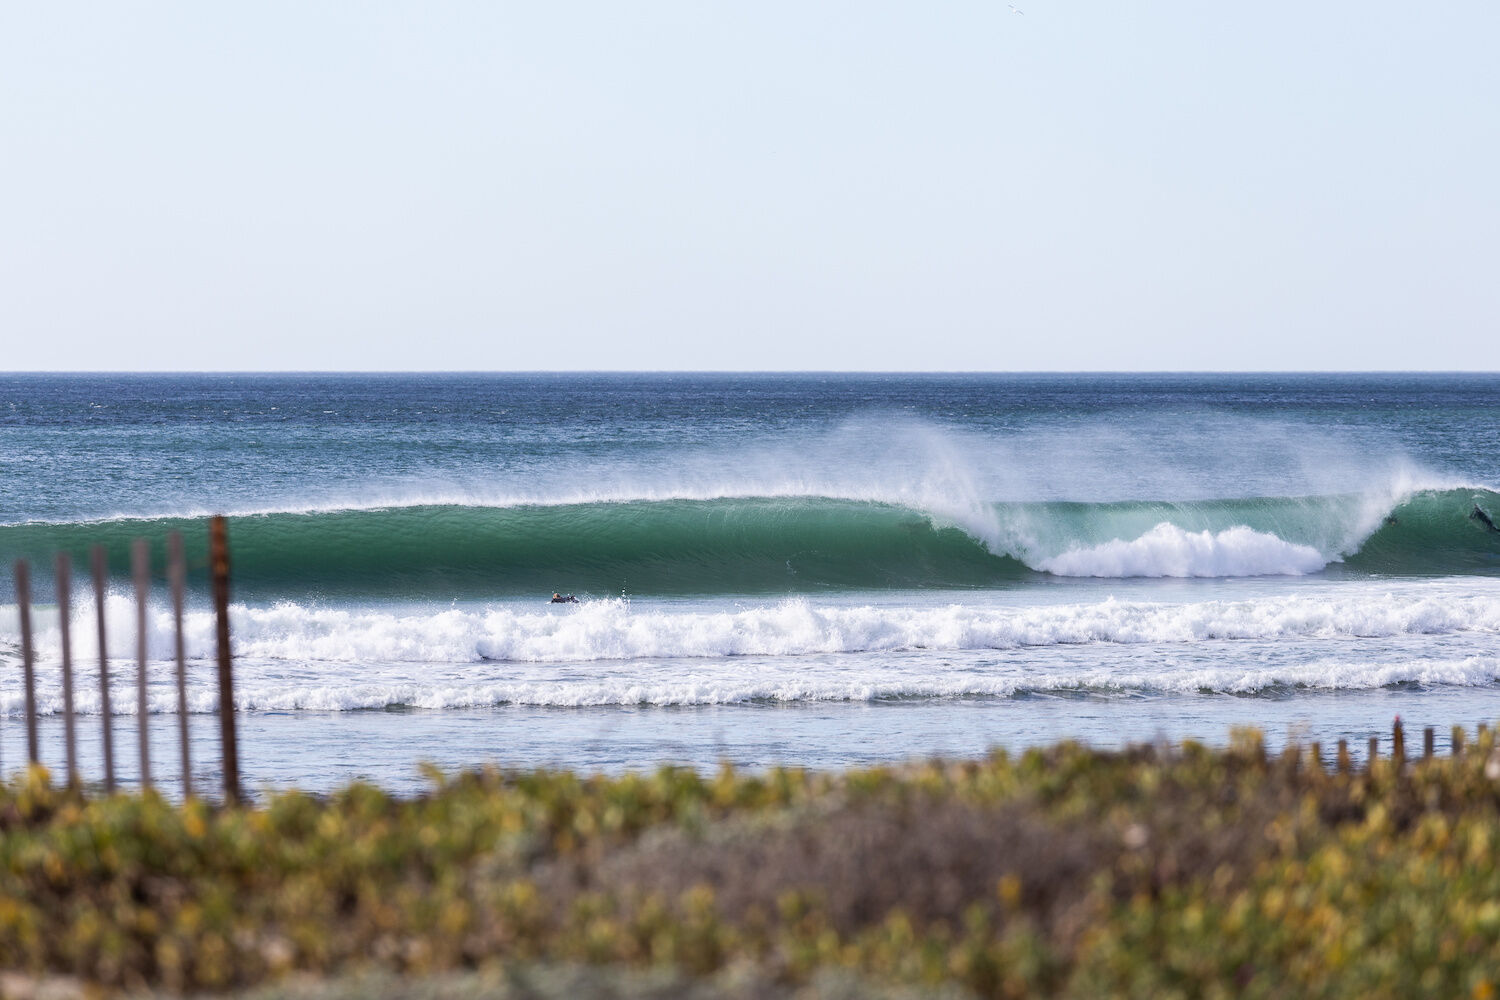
[[1169, 551], [291, 656], [739, 682], [617, 630], [790, 685]]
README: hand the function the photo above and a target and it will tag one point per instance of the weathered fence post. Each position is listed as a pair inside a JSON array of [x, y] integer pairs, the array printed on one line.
[[177, 574], [101, 599], [28, 657], [63, 570], [1344, 765], [1374, 753], [1458, 741], [1429, 742], [140, 564], [218, 559], [1398, 741]]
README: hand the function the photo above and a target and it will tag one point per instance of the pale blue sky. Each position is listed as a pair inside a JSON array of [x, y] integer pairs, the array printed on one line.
[[703, 185]]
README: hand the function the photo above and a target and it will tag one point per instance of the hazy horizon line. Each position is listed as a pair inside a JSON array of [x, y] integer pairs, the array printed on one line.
[[749, 371]]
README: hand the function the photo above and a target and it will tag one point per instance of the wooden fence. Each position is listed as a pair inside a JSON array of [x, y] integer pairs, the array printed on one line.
[[218, 548], [1343, 761]]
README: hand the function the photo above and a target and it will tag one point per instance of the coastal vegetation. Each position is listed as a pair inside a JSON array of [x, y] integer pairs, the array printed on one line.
[[1058, 872]]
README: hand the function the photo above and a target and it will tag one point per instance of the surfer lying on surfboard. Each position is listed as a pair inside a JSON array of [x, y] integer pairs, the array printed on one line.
[[560, 599], [1477, 514]]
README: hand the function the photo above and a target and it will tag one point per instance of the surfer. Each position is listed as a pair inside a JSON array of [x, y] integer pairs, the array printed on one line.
[[560, 599], [1477, 514]]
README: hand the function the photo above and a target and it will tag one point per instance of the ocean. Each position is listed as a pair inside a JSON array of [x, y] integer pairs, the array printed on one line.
[[817, 570]]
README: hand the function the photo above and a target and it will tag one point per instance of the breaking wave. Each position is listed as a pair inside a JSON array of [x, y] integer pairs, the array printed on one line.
[[804, 544]]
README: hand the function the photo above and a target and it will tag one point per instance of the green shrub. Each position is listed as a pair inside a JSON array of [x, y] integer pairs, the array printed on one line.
[[1060, 872]]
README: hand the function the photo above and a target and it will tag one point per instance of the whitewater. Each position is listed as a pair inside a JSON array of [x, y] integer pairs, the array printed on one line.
[[778, 652], [810, 569]]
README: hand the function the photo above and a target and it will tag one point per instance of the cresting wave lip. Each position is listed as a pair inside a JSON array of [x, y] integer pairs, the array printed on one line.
[[792, 544], [923, 497]]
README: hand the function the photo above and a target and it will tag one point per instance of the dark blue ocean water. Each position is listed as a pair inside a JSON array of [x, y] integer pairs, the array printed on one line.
[[95, 445], [815, 568]]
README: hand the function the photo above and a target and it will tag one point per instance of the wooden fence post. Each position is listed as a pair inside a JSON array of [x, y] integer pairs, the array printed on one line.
[[177, 573], [218, 558], [64, 573], [28, 656], [1458, 741], [1374, 753], [1429, 742], [1398, 741], [101, 599], [1344, 765], [140, 564]]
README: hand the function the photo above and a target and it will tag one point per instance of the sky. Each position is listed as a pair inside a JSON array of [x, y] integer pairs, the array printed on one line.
[[965, 186]]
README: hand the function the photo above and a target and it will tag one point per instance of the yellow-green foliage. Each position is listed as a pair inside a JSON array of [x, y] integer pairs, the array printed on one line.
[[1061, 872]]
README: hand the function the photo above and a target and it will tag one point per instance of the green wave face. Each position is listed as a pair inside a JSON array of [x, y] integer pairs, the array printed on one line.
[[1436, 532], [658, 547], [767, 545]]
